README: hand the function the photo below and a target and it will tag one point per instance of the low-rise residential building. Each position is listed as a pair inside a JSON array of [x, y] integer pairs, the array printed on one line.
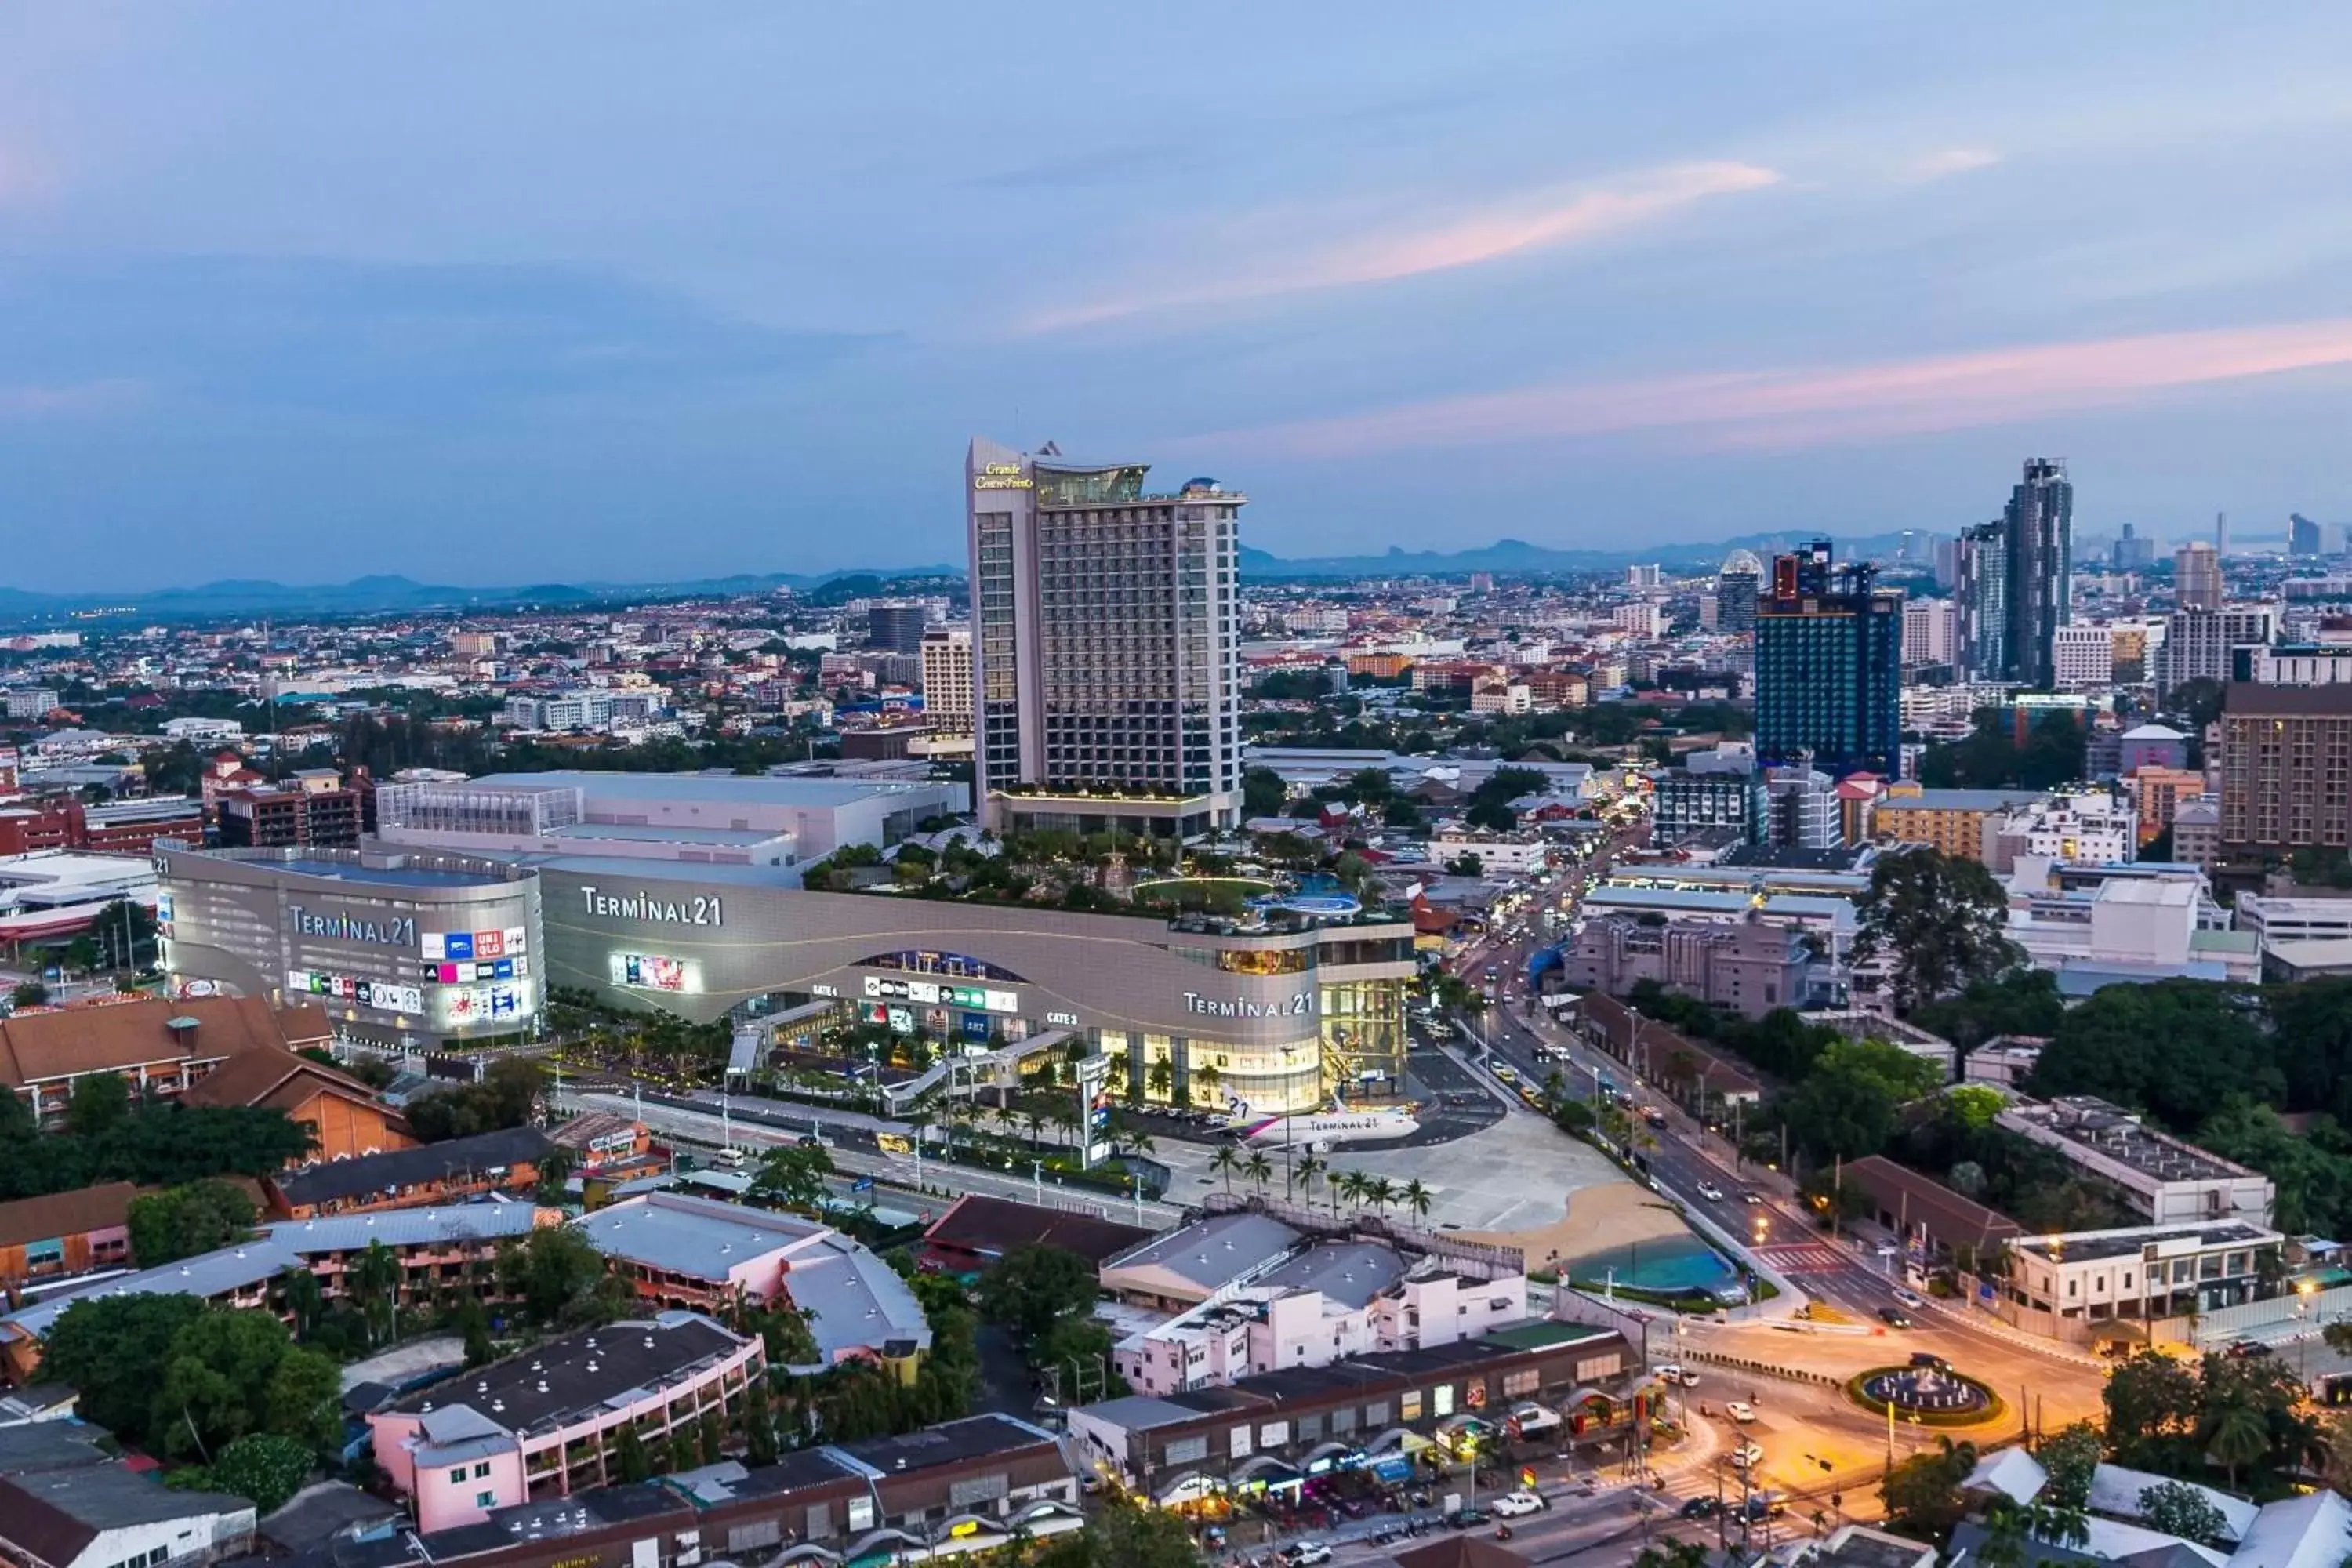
[[977, 1232], [2197, 831], [65, 1504], [65, 1234], [2084, 829], [437, 1248], [457, 1169], [1499, 853], [1952, 820], [159, 1047], [1328, 1301], [1935, 1224], [688, 1252], [1686, 801], [2170, 1181], [547, 1421], [1747, 966], [2157, 794]]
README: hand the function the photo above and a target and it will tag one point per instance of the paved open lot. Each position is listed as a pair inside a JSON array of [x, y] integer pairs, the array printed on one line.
[[1515, 1175]]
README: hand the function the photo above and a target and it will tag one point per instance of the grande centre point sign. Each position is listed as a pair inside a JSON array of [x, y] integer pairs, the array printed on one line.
[[1300, 1005]]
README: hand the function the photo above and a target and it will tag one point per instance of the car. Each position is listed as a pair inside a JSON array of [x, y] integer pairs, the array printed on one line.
[[1699, 1508], [1894, 1317], [2243, 1348], [1739, 1410], [1306, 1553], [1517, 1503], [1466, 1519], [1745, 1454], [1930, 1359], [1908, 1299], [1710, 1192], [1763, 1506], [1655, 1119]]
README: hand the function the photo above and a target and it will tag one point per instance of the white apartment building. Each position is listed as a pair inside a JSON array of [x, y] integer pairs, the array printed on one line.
[[1646, 621], [947, 679], [2198, 642], [2171, 1181], [1507, 855], [1331, 1301], [2273, 920], [2100, 829], [2083, 655], [2061, 1286], [1931, 631]]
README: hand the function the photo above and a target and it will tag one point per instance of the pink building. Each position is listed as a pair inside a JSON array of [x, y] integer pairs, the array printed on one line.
[[547, 1423]]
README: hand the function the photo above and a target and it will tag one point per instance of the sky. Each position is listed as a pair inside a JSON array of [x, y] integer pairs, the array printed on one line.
[[572, 289]]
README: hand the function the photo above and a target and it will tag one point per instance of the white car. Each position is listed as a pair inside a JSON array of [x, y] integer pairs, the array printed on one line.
[[1710, 1192], [1740, 1410], [1909, 1298], [1306, 1553], [1746, 1455], [1514, 1504]]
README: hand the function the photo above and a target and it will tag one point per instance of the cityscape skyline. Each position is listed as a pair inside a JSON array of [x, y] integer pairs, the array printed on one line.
[[382, 312]]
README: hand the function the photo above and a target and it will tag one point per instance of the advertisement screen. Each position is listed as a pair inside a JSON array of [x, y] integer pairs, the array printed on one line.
[[652, 971]]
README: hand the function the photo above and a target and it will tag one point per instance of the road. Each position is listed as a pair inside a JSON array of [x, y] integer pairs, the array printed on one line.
[[1760, 1209]]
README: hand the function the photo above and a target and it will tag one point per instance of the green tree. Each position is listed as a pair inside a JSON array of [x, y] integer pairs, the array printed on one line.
[[264, 1467], [1032, 1288], [1122, 1535], [631, 1463], [1939, 918], [2178, 1048], [2179, 1508], [2070, 1455], [99, 1103], [111, 1350], [1226, 1161], [2238, 1436], [710, 1437], [1262, 793], [372, 1281], [555, 1272], [1258, 1170], [29, 994], [1922, 1494], [231, 1373], [759, 1423], [1672, 1553], [1848, 1105], [1416, 1198], [2152, 1408], [792, 1176], [181, 1222]]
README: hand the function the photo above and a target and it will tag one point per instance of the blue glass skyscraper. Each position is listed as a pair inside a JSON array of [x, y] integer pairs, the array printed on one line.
[[1828, 662]]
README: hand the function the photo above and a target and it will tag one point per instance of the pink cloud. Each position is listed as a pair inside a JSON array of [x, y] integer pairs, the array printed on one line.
[[1380, 256], [1824, 407], [33, 402]]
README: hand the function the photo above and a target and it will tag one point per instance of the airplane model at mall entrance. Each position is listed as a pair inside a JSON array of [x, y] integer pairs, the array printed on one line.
[[1317, 1131]]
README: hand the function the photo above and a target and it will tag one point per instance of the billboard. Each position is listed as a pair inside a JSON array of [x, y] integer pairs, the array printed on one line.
[[653, 972]]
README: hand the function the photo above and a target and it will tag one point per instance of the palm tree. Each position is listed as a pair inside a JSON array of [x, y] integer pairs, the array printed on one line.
[[1034, 1120], [1416, 1198], [1258, 1168], [373, 1281], [1306, 1173], [1381, 1193], [1208, 1077], [298, 1289], [1555, 1089], [2241, 1435], [1349, 1184], [1224, 1163]]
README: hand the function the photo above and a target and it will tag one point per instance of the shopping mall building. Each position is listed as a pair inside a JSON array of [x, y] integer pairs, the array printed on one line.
[[429, 948]]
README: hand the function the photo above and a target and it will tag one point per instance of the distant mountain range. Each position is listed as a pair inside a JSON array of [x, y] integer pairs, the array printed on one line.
[[391, 594], [395, 596], [1518, 557]]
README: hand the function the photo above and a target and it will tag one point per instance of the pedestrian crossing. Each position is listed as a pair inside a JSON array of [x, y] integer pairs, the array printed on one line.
[[1805, 1258]]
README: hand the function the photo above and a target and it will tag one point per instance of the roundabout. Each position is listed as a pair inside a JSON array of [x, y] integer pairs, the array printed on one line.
[[1927, 1393]]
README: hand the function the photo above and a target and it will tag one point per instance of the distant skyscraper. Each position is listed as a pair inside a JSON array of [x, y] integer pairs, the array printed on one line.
[[2301, 535], [896, 626], [1928, 627], [2221, 533], [1105, 646], [2197, 576], [1641, 576], [1736, 588], [1829, 657], [2134, 553], [2038, 526], [947, 679], [1981, 603]]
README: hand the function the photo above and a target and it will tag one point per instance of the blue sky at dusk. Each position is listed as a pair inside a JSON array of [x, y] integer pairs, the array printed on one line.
[[565, 288]]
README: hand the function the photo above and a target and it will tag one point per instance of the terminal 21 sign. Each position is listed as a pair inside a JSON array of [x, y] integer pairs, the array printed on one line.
[[1299, 1006]]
